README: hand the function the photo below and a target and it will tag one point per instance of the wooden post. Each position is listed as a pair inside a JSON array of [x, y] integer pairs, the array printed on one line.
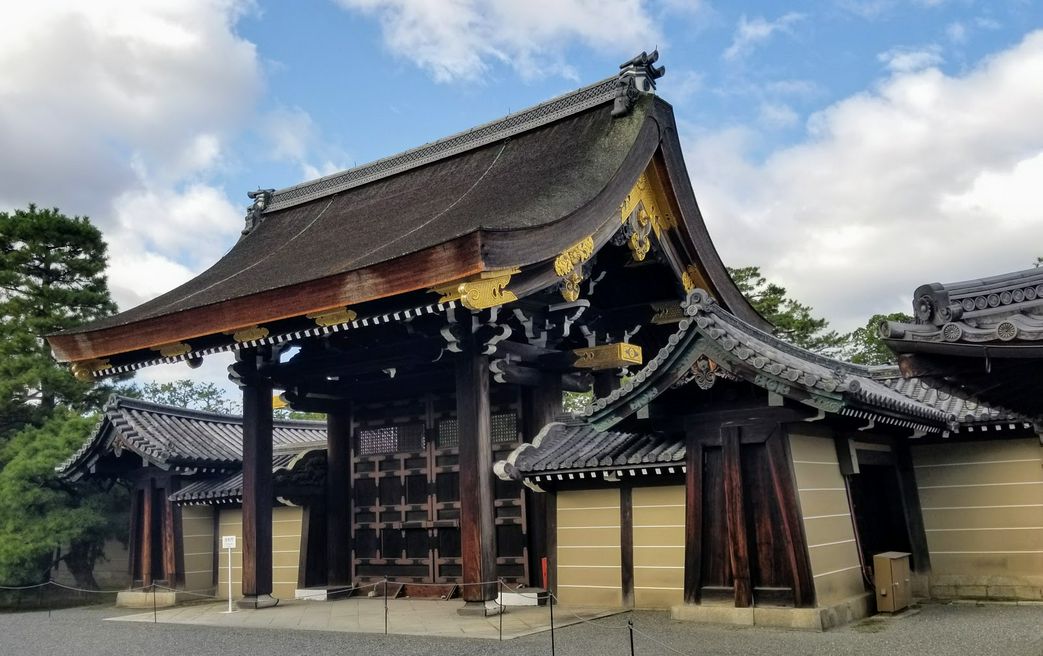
[[736, 516], [134, 543], [146, 534], [545, 403], [170, 541], [791, 532], [338, 498], [913, 513], [693, 521], [257, 485], [477, 528], [626, 544]]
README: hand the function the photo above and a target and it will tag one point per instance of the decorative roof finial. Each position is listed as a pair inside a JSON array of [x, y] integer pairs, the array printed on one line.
[[261, 199], [636, 77]]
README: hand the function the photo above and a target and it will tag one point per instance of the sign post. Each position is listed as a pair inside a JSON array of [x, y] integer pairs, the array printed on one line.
[[228, 542]]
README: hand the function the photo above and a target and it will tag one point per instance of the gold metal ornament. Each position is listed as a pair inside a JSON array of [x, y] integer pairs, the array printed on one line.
[[647, 210], [333, 317], [85, 370], [609, 356], [692, 278], [249, 334], [569, 265], [487, 289], [173, 349]]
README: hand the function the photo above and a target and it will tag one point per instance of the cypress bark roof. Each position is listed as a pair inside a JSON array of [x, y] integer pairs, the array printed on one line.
[[169, 437], [512, 194]]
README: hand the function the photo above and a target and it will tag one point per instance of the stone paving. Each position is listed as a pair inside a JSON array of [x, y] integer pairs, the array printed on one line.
[[364, 615]]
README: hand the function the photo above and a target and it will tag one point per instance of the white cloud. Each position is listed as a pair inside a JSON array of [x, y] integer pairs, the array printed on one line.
[[294, 137], [926, 177], [777, 115], [908, 60], [119, 110], [751, 33], [460, 39], [957, 32]]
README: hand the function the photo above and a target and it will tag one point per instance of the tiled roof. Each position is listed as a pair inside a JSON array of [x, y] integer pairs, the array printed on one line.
[[167, 437], [573, 447]]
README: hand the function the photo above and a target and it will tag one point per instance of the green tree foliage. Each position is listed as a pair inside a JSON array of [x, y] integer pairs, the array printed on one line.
[[864, 345], [184, 393], [52, 277], [43, 519], [793, 321]]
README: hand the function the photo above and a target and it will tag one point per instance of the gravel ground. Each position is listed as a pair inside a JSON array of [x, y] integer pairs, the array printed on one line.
[[942, 630]]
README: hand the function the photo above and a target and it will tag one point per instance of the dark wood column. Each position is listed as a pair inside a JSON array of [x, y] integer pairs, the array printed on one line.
[[544, 404], [693, 520], [791, 532], [146, 533], [172, 543], [626, 544], [338, 498], [477, 529], [911, 509], [736, 516], [257, 484], [134, 542]]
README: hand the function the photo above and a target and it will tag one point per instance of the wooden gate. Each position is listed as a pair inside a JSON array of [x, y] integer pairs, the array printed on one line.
[[406, 508]]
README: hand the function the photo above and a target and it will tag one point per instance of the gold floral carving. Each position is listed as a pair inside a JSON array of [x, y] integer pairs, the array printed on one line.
[[608, 356], [692, 278], [487, 289], [173, 349], [249, 334], [648, 195], [574, 255], [569, 265], [85, 369], [333, 317]]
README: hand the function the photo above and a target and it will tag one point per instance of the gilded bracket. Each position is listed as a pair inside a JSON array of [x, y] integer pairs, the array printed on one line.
[[249, 334], [487, 289], [85, 369], [692, 278], [608, 356], [173, 349], [333, 317], [569, 265], [645, 211]]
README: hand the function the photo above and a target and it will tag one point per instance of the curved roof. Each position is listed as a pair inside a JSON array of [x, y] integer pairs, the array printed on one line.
[[512, 194], [167, 436]]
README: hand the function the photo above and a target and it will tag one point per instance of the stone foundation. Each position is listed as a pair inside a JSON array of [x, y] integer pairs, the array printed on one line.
[[808, 619]]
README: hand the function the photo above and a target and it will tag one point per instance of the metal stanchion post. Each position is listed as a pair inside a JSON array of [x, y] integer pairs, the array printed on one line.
[[499, 606], [550, 602], [154, 620], [630, 626], [385, 604]]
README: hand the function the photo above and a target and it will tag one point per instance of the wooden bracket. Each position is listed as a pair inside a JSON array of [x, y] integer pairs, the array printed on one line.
[[608, 356]]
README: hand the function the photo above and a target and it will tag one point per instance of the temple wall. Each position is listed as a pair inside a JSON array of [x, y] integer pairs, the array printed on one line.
[[659, 517], [588, 531], [286, 548], [111, 571], [197, 530], [983, 514], [828, 525]]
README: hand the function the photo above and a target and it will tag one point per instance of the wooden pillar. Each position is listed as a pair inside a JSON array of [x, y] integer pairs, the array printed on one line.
[[146, 533], [605, 382], [693, 521], [477, 528], [170, 528], [791, 532], [736, 516], [134, 542], [338, 498], [545, 403], [910, 495], [626, 544], [257, 485]]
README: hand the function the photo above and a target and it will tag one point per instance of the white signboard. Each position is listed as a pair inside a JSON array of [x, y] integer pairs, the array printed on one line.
[[228, 542]]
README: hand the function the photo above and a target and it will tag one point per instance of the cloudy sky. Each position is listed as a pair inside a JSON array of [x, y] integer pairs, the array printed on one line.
[[852, 149]]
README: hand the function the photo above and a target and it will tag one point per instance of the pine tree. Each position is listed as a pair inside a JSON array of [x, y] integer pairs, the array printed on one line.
[[52, 277]]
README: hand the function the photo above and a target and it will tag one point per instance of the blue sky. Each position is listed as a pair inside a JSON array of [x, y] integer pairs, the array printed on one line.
[[852, 149]]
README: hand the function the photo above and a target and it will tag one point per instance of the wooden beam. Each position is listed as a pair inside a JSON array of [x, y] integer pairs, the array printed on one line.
[[608, 356], [477, 528], [693, 521], [736, 516], [348, 363], [257, 486], [791, 532], [338, 497], [517, 374]]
